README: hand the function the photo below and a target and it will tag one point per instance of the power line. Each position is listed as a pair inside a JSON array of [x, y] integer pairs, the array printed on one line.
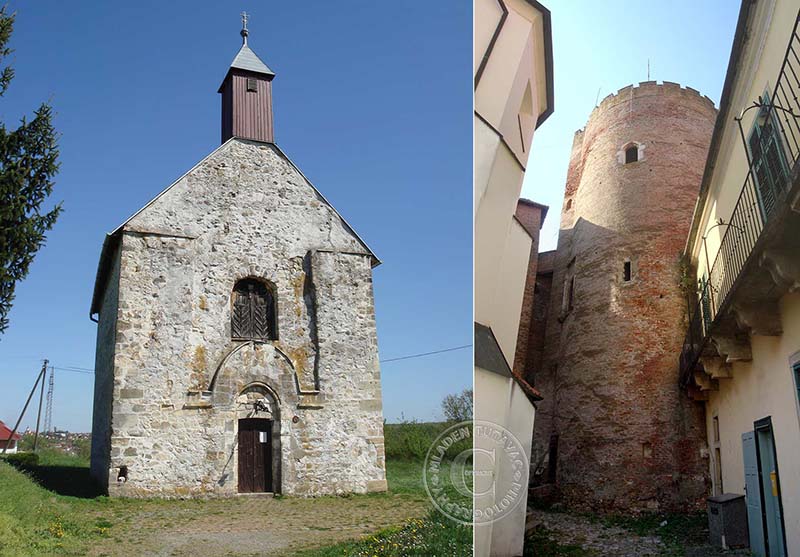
[[77, 368], [71, 370], [407, 357], [426, 353]]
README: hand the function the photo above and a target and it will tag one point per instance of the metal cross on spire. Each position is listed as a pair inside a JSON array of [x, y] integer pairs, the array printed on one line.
[[244, 31]]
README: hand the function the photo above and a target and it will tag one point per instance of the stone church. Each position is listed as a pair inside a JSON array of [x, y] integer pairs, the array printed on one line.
[[236, 341]]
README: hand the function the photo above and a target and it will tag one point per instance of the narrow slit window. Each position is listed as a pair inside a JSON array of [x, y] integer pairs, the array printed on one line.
[[631, 154], [552, 461], [251, 85], [626, 271]]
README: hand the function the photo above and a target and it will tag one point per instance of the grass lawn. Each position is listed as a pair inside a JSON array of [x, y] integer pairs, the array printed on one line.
[[35, 521], [54, 510], [406, 447], [431, 535]]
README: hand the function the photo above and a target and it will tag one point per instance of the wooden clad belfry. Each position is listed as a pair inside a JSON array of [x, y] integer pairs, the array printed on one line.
[[247, 97]]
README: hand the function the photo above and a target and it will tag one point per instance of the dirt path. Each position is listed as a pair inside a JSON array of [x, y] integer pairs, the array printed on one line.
[[556, 534], [250, 526], [593, 538]]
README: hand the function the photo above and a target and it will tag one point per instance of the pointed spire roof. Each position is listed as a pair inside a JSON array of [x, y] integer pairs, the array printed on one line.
[[246, 59]]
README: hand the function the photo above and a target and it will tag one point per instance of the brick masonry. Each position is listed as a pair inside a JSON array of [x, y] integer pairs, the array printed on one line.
[[628, 440], [539, 312], [531, 215], [171, 384]]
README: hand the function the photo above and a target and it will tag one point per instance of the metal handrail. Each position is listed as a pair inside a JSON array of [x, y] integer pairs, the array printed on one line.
[[754, 207]]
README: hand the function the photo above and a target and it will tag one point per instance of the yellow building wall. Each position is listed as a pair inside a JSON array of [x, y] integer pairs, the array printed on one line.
[[760, 388], [771, 31]]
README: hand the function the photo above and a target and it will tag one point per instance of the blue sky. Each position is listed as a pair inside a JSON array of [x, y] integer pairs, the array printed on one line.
[[605, 45], [373, 102]]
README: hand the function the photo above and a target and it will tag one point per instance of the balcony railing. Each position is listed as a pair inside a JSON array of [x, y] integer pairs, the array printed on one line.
[[773, 149]]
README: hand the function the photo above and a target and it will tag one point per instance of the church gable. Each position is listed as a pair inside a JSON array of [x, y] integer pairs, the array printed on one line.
[[247, 193], [249, 190]]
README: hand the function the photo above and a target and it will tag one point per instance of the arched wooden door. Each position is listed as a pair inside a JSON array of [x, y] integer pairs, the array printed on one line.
[[255, 455]]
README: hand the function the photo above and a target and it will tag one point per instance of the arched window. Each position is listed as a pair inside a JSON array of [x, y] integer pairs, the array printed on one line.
[[253, 314], [631, 154]]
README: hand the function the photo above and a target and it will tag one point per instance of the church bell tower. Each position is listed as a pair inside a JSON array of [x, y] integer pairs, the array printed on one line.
[[247, 96]]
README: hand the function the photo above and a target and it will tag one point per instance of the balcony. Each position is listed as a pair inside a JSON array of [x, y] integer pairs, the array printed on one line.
[[758, 260]]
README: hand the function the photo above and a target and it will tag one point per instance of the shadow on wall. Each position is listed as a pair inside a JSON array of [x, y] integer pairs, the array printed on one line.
[[609, 375]]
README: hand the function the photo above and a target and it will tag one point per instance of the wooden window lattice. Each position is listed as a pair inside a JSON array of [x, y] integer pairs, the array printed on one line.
[[253, 315]]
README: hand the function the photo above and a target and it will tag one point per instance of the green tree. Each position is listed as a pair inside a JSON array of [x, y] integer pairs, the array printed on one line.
[[458, 407], [28, 163]]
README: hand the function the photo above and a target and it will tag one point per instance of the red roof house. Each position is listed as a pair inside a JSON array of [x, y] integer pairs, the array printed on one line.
[[6, 438]]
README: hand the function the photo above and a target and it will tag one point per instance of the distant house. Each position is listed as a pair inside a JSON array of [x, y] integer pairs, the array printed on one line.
[[7, 437]]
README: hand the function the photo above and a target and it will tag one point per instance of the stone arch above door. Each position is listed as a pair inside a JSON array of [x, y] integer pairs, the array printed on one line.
[[258, 400], [249, 364]]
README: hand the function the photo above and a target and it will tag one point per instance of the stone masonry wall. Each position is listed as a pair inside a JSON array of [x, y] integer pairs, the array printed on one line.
[[104, 378], [180, 384], [628, 439]]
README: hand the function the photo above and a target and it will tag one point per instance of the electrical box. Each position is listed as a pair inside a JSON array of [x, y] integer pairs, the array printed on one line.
[[727, 521]]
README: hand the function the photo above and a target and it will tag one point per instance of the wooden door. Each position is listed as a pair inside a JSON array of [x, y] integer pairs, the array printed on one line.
[[255, 455]]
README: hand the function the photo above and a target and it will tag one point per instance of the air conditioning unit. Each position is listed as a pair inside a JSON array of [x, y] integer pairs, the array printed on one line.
[[727, 521]]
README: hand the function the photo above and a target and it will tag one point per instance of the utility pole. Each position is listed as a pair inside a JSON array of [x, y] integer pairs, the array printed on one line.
[[24, 408], [41, 399], [48, 411]]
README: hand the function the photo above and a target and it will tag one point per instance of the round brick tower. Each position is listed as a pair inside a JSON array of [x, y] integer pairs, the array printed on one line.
[[627, 438]]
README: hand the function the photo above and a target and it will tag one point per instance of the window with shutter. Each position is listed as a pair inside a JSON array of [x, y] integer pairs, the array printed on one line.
[[253, 312], [769, 162]]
